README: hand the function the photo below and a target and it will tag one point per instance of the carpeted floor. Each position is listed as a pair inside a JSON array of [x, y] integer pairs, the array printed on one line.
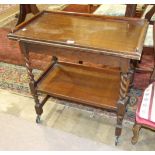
[[20, 120], [7, 46], [41, 138], [13, 76], [5, 7], [10, 52]]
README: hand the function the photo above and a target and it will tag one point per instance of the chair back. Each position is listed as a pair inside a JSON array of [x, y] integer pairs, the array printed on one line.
[[149, 14], [130, 10], [153, 73]]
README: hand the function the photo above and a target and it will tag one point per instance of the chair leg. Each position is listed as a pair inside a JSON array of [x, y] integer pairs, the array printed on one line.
[[135, 130], [152, 78]]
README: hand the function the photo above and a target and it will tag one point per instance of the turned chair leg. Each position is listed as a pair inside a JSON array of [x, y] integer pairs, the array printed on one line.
[[136, 129]]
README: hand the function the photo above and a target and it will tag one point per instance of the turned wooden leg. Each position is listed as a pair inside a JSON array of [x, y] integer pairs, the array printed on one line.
[[120, 116], [131, 76], [132, 97], [24, 10], [38, 106], [152, 78], [136, 129], [123, 99], [130, 10]]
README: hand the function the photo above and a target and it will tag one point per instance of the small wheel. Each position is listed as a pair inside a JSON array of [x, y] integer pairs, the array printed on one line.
[[116, 140], [133, 100], [38, 120]]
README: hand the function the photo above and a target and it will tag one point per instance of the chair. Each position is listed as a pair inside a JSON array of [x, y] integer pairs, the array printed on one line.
[[145, 113], [81, 8], [149, 14], [128, 10], [26, 9]]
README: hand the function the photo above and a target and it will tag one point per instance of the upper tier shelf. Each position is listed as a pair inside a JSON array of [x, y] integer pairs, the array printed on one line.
[[119, 36]]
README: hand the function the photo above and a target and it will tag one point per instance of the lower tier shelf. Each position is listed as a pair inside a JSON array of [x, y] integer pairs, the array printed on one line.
[[82, 84]]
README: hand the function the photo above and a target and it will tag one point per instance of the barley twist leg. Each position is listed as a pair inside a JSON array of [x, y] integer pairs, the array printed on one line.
[[121, 106], [38, 106], [136, 129]]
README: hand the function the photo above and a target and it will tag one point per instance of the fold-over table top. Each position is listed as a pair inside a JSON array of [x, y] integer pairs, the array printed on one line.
[[117, 35]]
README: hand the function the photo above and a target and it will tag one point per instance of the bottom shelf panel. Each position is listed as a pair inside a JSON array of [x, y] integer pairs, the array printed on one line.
[[92, 86]]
